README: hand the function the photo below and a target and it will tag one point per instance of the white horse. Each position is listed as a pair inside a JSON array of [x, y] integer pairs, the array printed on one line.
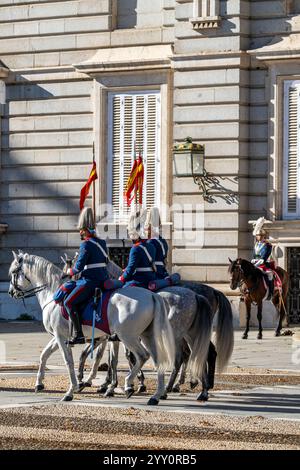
[[133, 313]]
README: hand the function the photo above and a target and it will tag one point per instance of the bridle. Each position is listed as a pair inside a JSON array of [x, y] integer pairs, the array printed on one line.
[[20, 293]]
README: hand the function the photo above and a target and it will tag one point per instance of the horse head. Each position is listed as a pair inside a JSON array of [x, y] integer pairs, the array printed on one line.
[[236, 272], [19, 282], [68, 262]]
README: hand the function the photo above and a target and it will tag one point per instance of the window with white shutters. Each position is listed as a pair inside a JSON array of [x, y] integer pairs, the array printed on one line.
[[134, 127], [291, 163]]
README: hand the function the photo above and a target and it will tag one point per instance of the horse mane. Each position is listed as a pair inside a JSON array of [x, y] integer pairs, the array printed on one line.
[[43, 269], [250, 269]]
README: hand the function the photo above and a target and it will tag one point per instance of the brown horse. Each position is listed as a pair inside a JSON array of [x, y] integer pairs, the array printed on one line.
[[250, 280]]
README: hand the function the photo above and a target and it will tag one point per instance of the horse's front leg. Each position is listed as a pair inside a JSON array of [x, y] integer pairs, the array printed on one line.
[[248, 315], [281, 310], [181, 360], [82, 359], [51, 347], [141, 356], [141, 378], [203, 396], [259, 318], [69, 362], [93, 373], [114, 357], [208, 378]]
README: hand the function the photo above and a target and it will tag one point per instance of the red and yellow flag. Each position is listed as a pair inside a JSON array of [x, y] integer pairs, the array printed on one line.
[[135, 182], [86, 188]]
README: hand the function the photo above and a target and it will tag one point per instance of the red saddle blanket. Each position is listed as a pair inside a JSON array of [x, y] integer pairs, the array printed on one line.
[[101, 322], [276, 278]]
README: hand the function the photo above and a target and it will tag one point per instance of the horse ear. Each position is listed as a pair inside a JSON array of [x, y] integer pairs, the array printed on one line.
[[15, 255], [230, 261]]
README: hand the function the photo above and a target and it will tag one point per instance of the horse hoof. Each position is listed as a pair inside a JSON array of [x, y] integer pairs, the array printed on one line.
[[202, 397], [142, 388], [164, 396], [39, 388], [153, 402], [102, 389], [109, 393], [245, 336], [277, 333], [82, 386], [129, 392], [259, 336], [67, 398], [176, 389], [193, 385]]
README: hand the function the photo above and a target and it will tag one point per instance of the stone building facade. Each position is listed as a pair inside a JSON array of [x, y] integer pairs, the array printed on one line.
[[81, 73]]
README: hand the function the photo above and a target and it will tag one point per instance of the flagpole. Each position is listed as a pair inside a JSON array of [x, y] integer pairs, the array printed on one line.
[[94, 187]]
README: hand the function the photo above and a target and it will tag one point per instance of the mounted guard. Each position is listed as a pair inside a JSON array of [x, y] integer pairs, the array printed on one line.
[[262, 253], [141, 268], [91, 264], [153, 227]]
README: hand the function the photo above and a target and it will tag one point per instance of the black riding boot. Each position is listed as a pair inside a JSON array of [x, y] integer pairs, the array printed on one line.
[[78, 337], [271, 289]]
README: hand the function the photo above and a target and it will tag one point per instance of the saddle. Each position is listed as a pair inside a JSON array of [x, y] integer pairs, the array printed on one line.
[[87, 312]]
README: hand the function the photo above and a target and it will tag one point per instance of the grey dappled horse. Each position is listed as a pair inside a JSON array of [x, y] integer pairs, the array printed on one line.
[[185, 307], [133, 313]]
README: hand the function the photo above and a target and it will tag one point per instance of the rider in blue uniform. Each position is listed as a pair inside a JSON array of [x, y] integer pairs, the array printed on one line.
[[153, 226], [141, 268], [262, 253], [92, 266]]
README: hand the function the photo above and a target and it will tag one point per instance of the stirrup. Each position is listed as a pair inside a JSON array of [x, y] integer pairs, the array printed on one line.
[[114, 337]]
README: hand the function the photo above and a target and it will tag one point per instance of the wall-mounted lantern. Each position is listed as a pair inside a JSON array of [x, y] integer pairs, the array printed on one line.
[[189, 161]]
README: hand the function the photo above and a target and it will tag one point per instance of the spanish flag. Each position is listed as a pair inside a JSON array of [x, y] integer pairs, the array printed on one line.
[[135, 182], [86, 188]]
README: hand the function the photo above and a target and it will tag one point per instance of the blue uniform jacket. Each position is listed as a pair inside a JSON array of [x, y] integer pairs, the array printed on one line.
[[89, 254], [138, 259], [262, 250], [160, 257]]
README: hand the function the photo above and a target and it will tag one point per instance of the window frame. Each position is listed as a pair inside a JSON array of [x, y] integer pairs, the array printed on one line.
[[121, 217], [286, 215]]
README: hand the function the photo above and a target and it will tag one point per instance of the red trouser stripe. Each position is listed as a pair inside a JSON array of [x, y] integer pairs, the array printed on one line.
[[74, 296]]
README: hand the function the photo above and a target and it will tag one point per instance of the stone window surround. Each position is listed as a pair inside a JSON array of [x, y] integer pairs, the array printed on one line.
[[106, 83], [284, 231], [3, 74]]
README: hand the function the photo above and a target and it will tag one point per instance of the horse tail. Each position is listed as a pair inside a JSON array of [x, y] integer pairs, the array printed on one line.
[[224, 332], [203, 326], [163, 336]]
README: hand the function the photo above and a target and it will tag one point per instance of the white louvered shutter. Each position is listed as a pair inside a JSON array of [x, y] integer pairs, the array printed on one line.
[[134, 120], [291, 150]]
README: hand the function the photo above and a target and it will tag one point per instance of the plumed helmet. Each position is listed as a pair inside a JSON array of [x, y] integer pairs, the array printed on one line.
[[153, 221], [136, 224], [258, 227], [86, 220]]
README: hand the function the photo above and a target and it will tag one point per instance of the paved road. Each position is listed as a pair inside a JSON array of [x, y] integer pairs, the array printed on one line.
[[23, 344], [25, 341], [282, 402]]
